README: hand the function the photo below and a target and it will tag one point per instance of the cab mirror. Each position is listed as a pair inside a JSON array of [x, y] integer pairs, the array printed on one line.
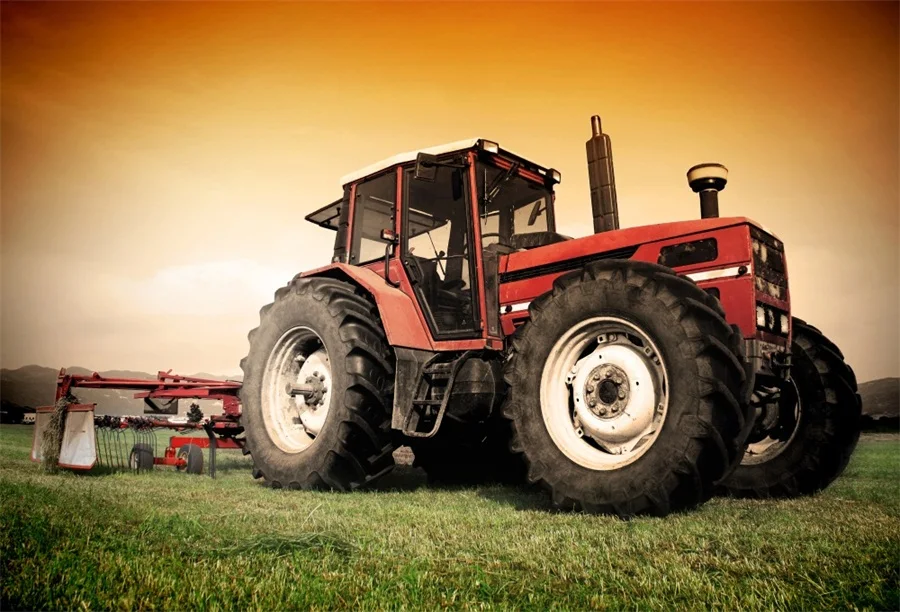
[[426, 167]]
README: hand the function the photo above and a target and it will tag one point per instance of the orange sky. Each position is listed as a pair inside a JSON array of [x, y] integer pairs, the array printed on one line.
[[158, 159]]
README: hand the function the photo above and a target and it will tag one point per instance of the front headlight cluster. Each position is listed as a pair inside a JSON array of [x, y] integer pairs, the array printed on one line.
[[768, 264], [772, 320], [763, 252]]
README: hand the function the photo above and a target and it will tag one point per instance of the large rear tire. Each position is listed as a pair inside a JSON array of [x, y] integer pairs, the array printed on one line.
[[655, 376], [805, 454], [322, 333]]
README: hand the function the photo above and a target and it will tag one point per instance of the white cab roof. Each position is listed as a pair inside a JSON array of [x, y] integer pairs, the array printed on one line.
[[409, 156]]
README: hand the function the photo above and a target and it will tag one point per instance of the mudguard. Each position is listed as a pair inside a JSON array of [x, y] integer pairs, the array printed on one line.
[[402, 321]]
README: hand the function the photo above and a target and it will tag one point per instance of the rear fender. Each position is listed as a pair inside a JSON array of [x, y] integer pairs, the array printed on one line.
[[399, 316]]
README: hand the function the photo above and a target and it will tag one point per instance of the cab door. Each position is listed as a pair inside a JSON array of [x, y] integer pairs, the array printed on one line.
[[437, 250]]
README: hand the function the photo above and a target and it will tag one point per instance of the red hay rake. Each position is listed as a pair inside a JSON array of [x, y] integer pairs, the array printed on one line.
[[77, 439]]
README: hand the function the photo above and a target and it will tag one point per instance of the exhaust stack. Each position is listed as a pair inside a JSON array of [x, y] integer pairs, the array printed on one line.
[[602, 179], [708, 180]]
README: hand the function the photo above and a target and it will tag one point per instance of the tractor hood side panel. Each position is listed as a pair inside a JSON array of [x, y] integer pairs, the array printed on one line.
[[525, 275]]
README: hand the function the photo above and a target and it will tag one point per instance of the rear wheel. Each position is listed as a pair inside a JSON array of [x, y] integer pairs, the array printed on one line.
[[625, 391], [801, 447], [321, 335]]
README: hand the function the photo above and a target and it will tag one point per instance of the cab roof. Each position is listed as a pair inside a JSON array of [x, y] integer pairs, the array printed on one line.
[[402, 158], [329, 216]]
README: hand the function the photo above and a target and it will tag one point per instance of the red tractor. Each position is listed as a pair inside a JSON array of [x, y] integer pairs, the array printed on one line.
[[630, 371]]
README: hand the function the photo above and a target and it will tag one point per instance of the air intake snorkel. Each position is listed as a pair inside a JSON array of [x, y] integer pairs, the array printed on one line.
[[708, 180]]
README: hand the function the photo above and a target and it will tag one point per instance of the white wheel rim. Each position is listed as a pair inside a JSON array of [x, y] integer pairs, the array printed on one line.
[[298, 357], [628, 411]]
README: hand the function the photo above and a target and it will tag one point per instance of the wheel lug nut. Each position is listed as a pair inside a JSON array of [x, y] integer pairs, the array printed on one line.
[[603, 412], [592, 403], [621, 394], [609, 373], [615, 409], [590, 388], [316, 374]]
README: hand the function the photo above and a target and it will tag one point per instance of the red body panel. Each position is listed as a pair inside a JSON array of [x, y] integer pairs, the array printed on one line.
[[404, 323], [737, 291], [179, 441], [732, 275]]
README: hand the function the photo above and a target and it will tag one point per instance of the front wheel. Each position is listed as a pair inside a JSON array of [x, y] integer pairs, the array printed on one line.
[[626, 391], [800, 446]]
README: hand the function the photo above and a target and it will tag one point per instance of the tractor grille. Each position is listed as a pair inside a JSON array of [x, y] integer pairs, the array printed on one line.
[[768, 264]]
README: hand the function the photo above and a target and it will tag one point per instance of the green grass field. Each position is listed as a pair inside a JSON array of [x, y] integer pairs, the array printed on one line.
[[172, 541]]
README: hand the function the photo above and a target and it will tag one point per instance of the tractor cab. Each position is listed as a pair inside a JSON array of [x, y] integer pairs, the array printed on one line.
[[427, 207]]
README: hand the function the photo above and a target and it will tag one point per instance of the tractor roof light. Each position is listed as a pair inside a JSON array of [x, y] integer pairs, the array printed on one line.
[[555, 176], [489, 146]]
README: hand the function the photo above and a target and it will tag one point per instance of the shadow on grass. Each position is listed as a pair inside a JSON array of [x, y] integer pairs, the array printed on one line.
[[518, 497], [401, 478]]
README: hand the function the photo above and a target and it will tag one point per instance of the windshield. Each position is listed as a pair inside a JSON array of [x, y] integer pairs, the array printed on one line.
[[510, 204]]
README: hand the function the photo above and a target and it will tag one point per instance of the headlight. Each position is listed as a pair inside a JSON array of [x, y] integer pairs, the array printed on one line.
[[490, 147], [772, 320]]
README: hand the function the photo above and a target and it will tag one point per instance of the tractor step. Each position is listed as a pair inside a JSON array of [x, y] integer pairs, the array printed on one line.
[[434, 379]]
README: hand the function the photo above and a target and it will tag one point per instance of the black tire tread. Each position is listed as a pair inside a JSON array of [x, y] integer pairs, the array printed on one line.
[[715, 343], [364, 451], [833, 442]]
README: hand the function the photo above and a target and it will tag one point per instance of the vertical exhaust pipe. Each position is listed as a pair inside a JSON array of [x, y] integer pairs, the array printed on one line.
[[708, 180], [602, 179]]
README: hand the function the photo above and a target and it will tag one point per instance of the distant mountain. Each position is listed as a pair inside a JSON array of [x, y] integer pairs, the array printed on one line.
[[881, 398], [33, 386]]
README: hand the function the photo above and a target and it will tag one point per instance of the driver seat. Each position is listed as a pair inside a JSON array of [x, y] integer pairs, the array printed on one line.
[[446, 305]]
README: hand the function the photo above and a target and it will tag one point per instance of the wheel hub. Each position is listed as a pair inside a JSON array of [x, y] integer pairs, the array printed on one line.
[[616, 382], [606, 391]]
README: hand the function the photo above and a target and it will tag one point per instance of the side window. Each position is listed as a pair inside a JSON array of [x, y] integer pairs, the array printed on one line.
[[373, 212]]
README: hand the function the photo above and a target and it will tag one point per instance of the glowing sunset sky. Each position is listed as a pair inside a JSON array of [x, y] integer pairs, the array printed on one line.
[[158, 159]]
